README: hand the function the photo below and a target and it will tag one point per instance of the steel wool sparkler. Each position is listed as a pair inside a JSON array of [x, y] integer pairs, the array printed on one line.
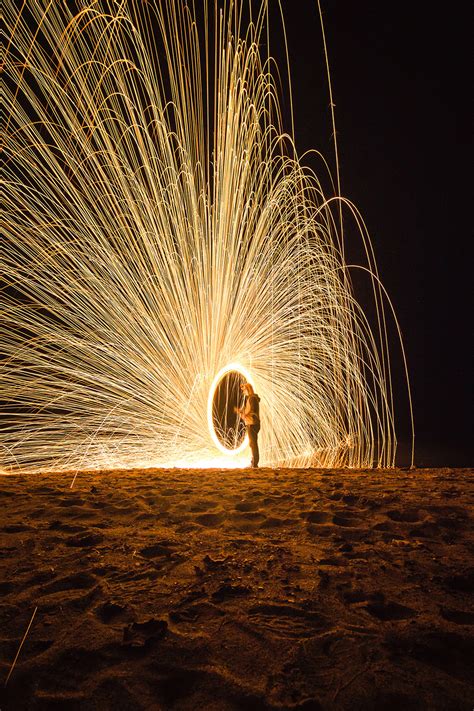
[[163, 233]]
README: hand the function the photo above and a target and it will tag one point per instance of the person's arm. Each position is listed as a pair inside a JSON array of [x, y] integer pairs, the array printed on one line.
[[242, 411]]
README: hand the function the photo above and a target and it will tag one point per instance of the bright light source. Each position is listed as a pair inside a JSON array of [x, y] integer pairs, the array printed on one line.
[[218, 440]]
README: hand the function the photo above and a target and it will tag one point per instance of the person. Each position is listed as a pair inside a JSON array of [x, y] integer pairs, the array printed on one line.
[[250, 413]]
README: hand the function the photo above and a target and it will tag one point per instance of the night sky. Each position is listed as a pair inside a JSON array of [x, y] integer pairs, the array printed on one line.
[[400, 85]]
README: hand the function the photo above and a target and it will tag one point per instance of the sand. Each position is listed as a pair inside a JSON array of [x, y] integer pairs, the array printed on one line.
[[265, 589]]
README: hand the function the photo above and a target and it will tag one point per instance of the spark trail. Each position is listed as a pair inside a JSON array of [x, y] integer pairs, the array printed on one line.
[[160, 226]]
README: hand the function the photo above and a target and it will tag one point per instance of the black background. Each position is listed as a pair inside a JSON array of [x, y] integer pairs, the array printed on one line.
[[400, 85]]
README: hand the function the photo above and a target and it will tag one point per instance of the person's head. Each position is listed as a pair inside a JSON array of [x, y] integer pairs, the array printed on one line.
[[247, 389]]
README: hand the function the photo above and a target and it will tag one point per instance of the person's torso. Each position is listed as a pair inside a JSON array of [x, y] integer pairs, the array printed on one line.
[[252, 410]]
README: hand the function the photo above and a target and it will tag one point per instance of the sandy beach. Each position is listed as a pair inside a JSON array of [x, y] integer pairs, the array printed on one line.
[[238, 589]]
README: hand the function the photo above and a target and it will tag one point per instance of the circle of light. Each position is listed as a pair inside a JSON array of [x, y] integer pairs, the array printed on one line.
[[231, 368]]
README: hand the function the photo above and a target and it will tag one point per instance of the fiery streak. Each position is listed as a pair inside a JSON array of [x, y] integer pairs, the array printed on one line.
[[161, 226]]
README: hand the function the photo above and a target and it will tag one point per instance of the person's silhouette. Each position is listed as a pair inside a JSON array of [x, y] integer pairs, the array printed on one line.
[[250, 413]]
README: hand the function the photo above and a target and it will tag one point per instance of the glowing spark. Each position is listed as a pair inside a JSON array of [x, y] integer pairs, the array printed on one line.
[[21, 645], [160, 227]]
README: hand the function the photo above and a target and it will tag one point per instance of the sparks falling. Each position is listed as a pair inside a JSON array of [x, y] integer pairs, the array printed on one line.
[[161, 227]]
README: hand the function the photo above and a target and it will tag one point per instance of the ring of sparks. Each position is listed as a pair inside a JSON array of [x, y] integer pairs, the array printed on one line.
[[231, 368]]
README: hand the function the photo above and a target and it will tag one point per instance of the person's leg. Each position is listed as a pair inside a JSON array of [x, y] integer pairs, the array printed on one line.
[[252, 431], [256, 453]]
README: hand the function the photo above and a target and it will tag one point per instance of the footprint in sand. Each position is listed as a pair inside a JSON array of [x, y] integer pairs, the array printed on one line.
[[202, 506], [248, 516], [383, 526], [246, 521], [454, 522], [353, 597], [70, 501], [346, 520], [158, 550], [275, 522], [459, 617], [142, 636], [210, 520], [85, 540], [17, 528], [255, 492], [407, 516], [58, 525], [39, 577], [109, 611], [317, 516], [463, 582], [185, 613], [63, 592], [44, 490], [387, 611], [288, 621], [428, 529], [247, 505], [350, 499], [76, 581]]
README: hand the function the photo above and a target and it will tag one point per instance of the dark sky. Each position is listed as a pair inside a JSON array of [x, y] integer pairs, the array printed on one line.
[[400, 83]]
